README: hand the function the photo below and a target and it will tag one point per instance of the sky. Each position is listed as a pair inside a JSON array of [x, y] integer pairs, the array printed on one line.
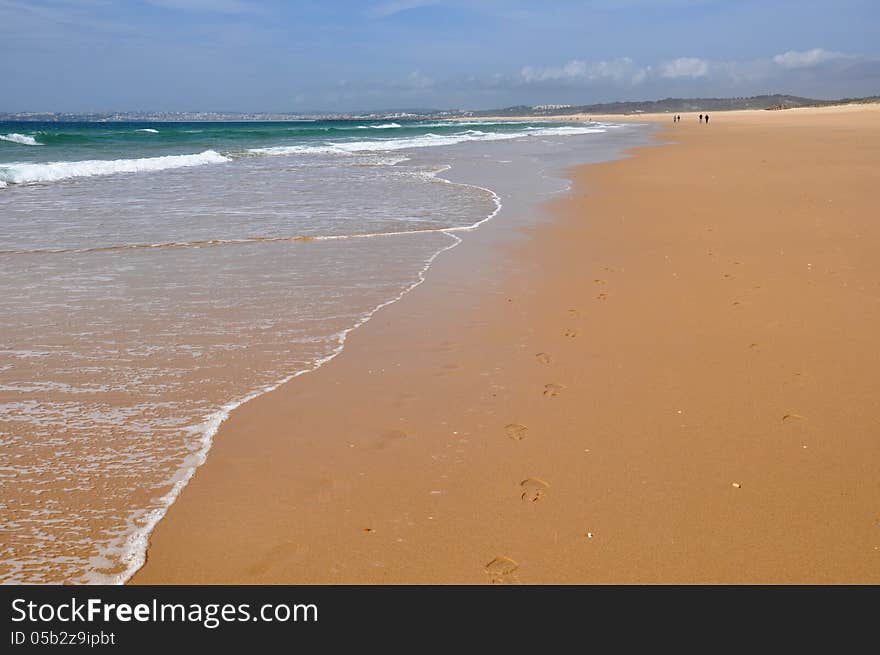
[[346, 55]]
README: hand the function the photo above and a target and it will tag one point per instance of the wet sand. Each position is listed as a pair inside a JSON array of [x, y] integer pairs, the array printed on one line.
[[673, 380]]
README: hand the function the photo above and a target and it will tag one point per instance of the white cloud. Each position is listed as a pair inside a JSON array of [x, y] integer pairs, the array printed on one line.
[[684, 67], [806, 58], [418, 81], [214, 6], [397, 6], [730, 75], [622, 70]]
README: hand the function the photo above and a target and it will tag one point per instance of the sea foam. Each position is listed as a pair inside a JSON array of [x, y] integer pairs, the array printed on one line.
[[22, 139], [422, 141], [24, 173]]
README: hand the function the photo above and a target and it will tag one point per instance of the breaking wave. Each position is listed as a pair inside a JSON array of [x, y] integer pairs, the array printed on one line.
[[26, 173], [422, 141], [22, 139]]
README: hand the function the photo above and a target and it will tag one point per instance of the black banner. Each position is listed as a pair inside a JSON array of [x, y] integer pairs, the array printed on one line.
[[142, 619]]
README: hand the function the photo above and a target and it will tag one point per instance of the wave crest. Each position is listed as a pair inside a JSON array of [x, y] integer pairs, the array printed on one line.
[[22, 173], [422, 141], [22, 139]]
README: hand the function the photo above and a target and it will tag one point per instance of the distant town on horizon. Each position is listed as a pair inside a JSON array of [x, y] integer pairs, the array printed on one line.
[[666, 105]]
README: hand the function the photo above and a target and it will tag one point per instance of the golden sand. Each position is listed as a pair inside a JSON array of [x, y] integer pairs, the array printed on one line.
[[673, 381]]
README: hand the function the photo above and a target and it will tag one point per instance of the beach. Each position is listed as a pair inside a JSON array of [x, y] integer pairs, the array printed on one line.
[[149, 290], [671, 378]]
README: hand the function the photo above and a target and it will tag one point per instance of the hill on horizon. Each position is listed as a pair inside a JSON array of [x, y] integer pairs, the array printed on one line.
[[672, 105]]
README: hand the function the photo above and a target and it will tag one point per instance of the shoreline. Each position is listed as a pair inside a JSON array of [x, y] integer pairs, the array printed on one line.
[[137, 543], [235, 374], [442, 449]]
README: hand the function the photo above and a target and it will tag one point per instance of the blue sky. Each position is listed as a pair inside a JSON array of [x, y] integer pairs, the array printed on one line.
[[253, 55]]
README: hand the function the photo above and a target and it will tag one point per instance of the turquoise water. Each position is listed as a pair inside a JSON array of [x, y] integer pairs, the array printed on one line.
[[47, 152], [67, 141]]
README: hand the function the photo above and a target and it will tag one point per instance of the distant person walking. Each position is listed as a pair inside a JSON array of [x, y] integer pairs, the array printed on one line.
[[701, 118], [707, 119]]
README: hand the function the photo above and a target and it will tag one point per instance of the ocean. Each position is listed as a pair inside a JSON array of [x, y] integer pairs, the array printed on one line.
[[154, 276]]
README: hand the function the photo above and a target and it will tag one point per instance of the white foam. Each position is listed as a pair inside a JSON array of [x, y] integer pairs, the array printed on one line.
[[23, 139], [470, 123], [423, 141], [148, 129], [24, 173], [385, 126], [295, 150], [564, 130]]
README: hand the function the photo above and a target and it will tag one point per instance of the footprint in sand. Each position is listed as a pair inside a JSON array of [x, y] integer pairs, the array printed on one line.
[[793, 417], [403, 398], [574, 313], [516, 431], [445, 346], [602, 296], [499, 569], [389, 437], [276, 555], [599, 281], [447, 369], [544, 358], [553, 389], [571, 333], [533, 490]]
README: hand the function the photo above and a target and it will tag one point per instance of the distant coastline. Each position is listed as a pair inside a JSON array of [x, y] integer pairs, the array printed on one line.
[[774, 101]]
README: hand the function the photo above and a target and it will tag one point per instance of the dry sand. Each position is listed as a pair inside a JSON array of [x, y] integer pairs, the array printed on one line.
[[675, 380]]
